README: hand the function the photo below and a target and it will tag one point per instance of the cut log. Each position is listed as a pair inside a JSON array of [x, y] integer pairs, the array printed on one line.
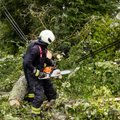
[[18, 91]]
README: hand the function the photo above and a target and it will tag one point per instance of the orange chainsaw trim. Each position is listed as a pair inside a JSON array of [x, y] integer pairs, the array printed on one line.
[[48, 69]]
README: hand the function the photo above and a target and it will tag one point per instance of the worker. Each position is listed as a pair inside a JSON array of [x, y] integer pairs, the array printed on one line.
[[34, 60]]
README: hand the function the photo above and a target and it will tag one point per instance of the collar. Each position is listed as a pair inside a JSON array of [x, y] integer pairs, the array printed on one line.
[[42, 43]]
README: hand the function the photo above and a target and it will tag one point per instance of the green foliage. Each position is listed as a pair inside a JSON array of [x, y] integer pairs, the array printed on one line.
[[65, 18], [13, 113], [80, 26], [10, 68], [92, 78], [93, 85], [96, 33], [94, 81]]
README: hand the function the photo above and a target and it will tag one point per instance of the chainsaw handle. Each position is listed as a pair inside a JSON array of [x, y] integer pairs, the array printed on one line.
[[47, 75]]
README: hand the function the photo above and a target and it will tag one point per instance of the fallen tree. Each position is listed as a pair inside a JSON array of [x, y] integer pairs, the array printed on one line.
[[18, 91]]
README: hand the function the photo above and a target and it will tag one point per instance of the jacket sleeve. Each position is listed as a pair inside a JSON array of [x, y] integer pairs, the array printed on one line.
[[50, 62], [30, 57]]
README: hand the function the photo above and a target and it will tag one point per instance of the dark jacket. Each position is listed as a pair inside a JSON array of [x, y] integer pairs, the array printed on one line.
[[32, 58]]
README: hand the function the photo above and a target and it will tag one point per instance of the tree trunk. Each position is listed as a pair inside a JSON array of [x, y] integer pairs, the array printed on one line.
[[18, 92]]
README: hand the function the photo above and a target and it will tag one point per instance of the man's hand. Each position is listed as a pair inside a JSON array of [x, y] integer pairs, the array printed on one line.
[[47, 74], [39, 74], [42, 75]]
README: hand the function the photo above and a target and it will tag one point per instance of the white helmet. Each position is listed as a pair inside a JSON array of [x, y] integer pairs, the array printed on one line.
[[47, 36]]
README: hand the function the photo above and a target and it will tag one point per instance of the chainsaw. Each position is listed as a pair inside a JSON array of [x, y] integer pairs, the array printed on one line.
[[50, 72]]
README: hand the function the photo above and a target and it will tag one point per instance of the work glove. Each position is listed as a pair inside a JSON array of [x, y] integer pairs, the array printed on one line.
[[38, 73]]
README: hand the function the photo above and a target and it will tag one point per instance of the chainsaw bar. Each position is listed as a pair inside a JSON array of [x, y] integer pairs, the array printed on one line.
[[57, 74], [64, 72]]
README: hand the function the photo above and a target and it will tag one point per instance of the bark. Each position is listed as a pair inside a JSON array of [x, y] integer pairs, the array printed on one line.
[[18, 92]]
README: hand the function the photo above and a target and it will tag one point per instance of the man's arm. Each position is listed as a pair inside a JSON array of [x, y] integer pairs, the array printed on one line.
[[49, 61], [30, 57]]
